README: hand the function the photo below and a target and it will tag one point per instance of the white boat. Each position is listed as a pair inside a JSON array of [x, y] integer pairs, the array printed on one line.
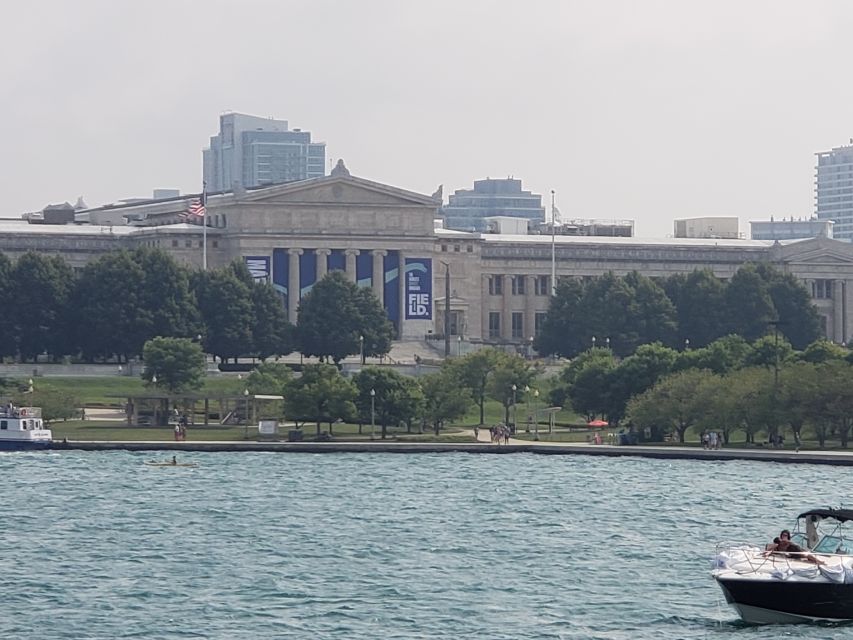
[[23, 428], [772, 587]]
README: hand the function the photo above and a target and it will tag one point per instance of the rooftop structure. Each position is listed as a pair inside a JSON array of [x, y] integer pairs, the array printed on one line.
[[467, 209], [790, 229], [708, 227]]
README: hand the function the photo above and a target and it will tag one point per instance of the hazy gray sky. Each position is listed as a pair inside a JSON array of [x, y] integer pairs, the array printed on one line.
[[650, 110]]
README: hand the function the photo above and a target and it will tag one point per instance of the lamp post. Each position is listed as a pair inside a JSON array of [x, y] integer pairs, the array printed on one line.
[[514, 410], [593, 342], [361, 349], [372, 414], [30, 383], [154, 379], [687, 344], [607, 342], [459, 345], [536, 414], [446, 309], [246, 430], [527, 404]]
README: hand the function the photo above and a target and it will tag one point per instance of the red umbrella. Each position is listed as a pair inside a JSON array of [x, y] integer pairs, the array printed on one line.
[[598, 423]]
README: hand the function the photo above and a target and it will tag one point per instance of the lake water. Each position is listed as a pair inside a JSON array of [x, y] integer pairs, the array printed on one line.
[[367, 546]]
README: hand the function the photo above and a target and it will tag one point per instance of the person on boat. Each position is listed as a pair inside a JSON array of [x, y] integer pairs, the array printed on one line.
[[783, 545]]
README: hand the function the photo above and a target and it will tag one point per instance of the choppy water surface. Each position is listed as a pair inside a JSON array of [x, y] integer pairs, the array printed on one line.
[[98, 545]]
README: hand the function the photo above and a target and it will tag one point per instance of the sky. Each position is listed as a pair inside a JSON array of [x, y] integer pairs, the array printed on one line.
[[647, 110]]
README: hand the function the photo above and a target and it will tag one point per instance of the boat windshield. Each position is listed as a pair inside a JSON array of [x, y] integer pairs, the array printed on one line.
[[833, 544]]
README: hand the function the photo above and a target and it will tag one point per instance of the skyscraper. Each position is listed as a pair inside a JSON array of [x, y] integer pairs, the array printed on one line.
[[250, 151], [834, 190], [466, 208]]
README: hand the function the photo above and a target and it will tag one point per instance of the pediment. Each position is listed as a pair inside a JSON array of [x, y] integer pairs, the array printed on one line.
[[816, 251], [334, 190]]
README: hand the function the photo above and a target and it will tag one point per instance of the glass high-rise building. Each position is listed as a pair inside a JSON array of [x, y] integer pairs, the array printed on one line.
[[834, 190], [467, 208], [250, 151]]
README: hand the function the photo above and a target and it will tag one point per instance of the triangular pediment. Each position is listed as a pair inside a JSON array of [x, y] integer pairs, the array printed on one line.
[[816, 251], [337, 190]]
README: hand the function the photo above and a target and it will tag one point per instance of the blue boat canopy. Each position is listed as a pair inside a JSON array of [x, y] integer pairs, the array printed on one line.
[[842, 515]]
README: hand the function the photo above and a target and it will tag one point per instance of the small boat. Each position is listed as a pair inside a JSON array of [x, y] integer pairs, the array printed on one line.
[[22, 428], [155, 463], [773, 587]]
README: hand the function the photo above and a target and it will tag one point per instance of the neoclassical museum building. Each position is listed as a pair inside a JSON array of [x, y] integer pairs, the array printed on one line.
[[386, 238]]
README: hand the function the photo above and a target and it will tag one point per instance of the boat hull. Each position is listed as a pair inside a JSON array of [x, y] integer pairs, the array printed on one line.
[[781, 601], [24, 445]]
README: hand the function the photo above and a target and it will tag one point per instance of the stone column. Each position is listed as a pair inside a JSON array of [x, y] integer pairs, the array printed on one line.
[[293, 284], [837, 309], [529, 308], [484, 306], [506, 308], [845, 322], [322, 262], [401, 296], [351, 254], [378, 279]]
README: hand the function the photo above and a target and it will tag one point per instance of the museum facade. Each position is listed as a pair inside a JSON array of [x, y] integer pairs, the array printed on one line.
[[386, 238]]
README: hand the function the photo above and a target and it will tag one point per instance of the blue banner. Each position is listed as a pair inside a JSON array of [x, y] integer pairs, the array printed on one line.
[[418, 289], [259, 267]]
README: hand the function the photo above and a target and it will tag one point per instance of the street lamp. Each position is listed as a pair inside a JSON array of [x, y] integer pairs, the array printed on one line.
[[593, 342], [527, 404], [514, 410], [361, 348], [686, 344], [607, 342], [154, 379], [246, 430], [536, 414], [372, 414], [31, 385], [459, 343], [119, 370]]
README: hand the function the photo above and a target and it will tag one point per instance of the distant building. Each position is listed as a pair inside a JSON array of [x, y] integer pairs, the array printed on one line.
[[790, 229], [834, 189], [467, 209], [708, 227], [597, 228], [250, 151]]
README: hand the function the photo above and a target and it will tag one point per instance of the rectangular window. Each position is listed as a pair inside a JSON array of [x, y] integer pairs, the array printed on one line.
[[444, 248], [4, 424], [518, 285], [457, 248], [496, 285], [539, 321], [470, 248], [174, 243], [517, 325], [494, 324], [540, 286], [188, 243], [216, 244]]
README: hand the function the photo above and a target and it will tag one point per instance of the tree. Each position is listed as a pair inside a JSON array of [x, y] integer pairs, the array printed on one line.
[[510, 370], [444, 398], [589, 388], [564, 329], [178, 363], [749, 308], [166, 304], [721, 356], [671, 404], [769, 351], [798, 317], [335, 313], [54, 403], [321, 394], [272, 334], [699, 299], [270, 378], [651, 312], [225, 304], [753, 390], [473, 371], [636, 373], [106, 307], [397, 398], [8, 343], [823, 350], [41, 286]]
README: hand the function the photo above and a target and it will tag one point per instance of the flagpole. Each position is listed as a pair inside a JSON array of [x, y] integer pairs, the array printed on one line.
[[553, 246], [204, 226]]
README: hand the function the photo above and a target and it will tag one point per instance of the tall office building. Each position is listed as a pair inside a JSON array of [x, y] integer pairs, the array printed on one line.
[[250, 151], [467, 208], [834, 190]]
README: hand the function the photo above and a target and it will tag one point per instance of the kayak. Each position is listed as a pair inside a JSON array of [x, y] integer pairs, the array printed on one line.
[[170, 464]]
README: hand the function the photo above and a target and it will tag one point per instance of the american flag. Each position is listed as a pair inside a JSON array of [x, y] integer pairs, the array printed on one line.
[[196, 207]]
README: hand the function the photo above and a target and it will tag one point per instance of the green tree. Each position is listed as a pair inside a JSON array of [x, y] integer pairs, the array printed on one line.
[[823, 350], [398, 399], [753, 389], [335, 313], [721, 356], [769, 351], [55, 404], [8, 343], [672, 404], [565, 329], [634, 375], [445, 399], [105, 307], [270, 378], [166, 306], [749, 308], [320, 394], [699, 299], [41, 285], [797, 315], [588, 379], [272, 334], [651, 312], [473, 371], [178, 364], [510, 370], [225, 303]]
